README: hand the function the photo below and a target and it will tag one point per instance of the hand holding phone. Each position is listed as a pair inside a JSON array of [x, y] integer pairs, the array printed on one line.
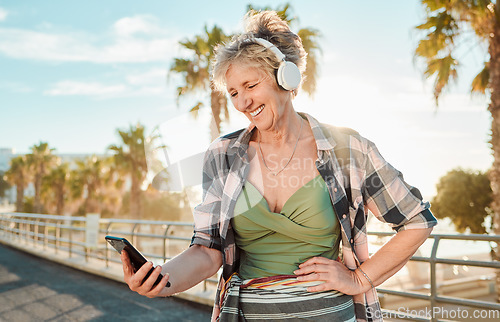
[[136, 258]]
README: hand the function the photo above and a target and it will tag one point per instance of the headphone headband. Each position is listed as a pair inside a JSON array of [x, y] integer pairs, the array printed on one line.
[[269, 45], [288, 74]]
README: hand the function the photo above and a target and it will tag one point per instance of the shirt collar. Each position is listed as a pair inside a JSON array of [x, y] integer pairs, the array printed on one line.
[[324, 140], [323, 137]]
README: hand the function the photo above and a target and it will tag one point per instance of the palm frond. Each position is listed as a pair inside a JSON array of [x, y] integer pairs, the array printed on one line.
[[310, 42], [196, 109], [444, 70], [433, 5], [283, 11], [482, 80]]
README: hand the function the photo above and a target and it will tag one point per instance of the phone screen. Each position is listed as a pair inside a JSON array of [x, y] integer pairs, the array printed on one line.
[[136, 258]]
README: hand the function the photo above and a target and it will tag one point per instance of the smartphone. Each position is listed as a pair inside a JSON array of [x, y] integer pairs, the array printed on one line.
[[136, 258]]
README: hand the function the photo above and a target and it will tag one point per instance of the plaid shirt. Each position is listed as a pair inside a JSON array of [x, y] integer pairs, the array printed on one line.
[[358, 180]]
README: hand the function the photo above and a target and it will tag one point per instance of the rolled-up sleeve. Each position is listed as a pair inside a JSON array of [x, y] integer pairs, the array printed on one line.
[[207, 213], [390, 198]]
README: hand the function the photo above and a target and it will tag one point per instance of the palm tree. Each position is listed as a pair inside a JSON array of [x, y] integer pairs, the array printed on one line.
[[309, 37], [55, 187], [131, 158], [40, 160], [87, 181], [449, 26], [196, 75], [17, 175], [113, 188]]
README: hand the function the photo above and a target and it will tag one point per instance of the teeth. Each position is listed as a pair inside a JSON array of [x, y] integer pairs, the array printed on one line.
[[257, 111]]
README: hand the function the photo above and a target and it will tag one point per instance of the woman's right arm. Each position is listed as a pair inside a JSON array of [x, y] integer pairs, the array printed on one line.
[[184, 271]]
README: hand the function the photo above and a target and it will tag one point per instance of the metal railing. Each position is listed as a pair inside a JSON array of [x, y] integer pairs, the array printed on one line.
[[67, 233], [433, 297]]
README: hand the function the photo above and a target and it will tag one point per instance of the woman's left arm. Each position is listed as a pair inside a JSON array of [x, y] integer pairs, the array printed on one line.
[[389, 259], [391, 200]]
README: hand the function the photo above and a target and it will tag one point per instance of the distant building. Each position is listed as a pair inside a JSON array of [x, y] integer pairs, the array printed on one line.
[[5, 155]]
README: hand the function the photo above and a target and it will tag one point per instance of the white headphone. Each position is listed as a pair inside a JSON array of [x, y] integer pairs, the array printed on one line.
[[288, 74]]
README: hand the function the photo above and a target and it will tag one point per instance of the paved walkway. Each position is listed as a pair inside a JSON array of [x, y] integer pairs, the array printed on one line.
[[34, 289]]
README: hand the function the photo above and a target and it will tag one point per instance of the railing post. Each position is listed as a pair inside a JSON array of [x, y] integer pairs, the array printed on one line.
[[70, 238], [45, 234], [26, 231], [165, 241], [134, 237], [58, 235], [19, 231], [106, 252], [432, 261], [35, 231]]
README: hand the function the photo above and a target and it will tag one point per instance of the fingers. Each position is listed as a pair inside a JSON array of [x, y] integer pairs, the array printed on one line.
[[137, 282], [316, 260], [128, 269], [321, 287], [147, 285], [315, 265], [161, 286]]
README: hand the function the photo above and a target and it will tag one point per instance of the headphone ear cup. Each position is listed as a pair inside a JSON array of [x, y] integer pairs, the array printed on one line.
[[288, 76]]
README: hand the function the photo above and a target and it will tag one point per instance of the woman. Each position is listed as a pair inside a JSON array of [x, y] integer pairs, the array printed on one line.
[[280, 195]]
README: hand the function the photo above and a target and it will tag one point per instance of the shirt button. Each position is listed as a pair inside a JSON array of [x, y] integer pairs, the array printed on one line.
[[352, 240], [344, 216], [335, 189]]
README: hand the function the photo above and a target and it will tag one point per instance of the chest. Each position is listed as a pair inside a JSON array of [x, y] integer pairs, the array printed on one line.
[[278, 188]]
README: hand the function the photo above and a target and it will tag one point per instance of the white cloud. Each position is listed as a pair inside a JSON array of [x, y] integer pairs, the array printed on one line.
[[85, 88], [131, 39], [3, 14], [145, 24], [153, 76], [15, 87], [148, 83]]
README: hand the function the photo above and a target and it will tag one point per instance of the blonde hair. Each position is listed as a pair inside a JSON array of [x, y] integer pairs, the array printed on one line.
[[242, 50]]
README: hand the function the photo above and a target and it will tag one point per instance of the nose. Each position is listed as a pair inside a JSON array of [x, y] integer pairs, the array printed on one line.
[[244, 102]]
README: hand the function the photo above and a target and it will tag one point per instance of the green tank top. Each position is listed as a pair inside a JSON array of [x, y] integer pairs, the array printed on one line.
[[276, 243]]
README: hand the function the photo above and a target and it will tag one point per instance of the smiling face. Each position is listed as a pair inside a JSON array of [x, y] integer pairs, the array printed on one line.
[[256, 94]]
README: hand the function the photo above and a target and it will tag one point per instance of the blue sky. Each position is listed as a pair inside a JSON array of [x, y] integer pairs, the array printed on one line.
[[71, 73]]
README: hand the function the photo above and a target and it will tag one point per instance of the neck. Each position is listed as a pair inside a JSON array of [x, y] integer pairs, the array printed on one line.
[[285, 132]]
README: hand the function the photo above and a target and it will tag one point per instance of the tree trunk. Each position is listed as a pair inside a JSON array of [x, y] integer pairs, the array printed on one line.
[[91, 205], [60, 200], [20, 196], [135, 198], [217, 102], [494, 108], [38, 185]]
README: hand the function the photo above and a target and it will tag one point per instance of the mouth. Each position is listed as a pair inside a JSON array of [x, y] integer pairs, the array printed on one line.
[[257, 111]]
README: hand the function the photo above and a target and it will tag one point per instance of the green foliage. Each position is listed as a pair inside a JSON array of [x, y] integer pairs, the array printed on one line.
[[283, 11], [130, 156], [464, 196], [446, 31], [54, 188], [29, 202], [157, 206], [480, 82], [195, 69]]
